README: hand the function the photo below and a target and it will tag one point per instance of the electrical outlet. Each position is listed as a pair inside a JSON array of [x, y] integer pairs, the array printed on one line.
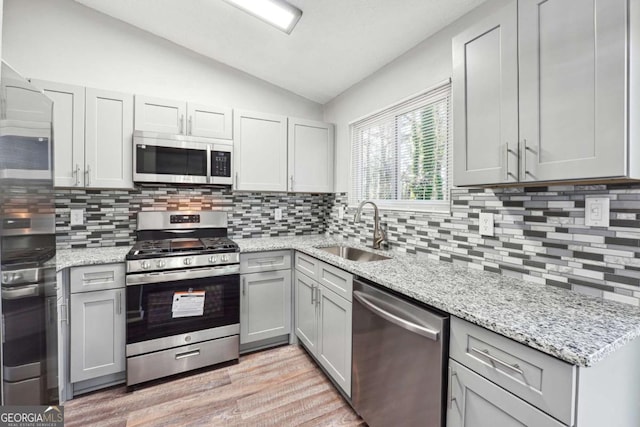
[[596, 211], [77, 217], [277, 213], [340, 212], [486, 224]]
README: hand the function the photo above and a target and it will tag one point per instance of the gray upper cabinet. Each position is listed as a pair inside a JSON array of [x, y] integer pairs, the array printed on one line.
[[179, 117], [108, 139], [260, 151], [485, 100], [572, 88], [540, 93], [311, 147], [68, 131], [93, 133]]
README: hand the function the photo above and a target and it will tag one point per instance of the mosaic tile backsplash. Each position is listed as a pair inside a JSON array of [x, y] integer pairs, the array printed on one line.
[[110, 215], [540, 236]]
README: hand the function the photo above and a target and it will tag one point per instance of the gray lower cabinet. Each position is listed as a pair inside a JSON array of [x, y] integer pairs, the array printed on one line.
[[306, 311], [323, 324], [97, 334], [496, 381], [477, 402], [265, 305], [334, 336], [265, 299]]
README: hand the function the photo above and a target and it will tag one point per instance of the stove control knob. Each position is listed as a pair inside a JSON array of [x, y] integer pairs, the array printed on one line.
[[160, 263], [213, 259], [187, 261], [145, 265], [225, 258]]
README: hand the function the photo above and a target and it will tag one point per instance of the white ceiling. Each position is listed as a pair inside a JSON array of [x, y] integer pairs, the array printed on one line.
[[335, 44]]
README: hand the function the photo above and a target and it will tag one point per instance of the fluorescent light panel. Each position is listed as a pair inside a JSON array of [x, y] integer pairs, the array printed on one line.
[[278, 13]]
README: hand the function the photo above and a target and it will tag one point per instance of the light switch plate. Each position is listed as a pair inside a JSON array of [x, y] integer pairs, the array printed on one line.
[[277, 213], [340, 212], [486, 224], [596, 211], [76, 217]]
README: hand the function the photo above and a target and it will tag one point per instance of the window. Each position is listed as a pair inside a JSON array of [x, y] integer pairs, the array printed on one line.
[[401, 156]]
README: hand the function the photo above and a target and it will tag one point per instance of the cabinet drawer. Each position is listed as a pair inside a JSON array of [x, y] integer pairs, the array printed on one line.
[[307, 265], [339, 281], [97, 277], [265, 261], [542, 380]]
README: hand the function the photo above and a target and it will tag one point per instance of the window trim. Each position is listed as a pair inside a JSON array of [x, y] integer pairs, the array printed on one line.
[[435, 206]]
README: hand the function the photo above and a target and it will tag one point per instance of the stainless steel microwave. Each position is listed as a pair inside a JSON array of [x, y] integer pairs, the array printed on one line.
[[26, 150], [179, 159]]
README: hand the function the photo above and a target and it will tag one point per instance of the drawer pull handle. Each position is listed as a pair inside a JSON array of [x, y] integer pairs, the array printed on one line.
[[187, 354], [515, 367], [267, 261]]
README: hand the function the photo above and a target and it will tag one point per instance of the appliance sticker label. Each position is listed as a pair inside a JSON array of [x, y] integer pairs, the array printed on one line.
[[187, 304]]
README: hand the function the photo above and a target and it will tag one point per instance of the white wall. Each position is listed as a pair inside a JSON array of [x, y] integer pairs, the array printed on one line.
[[63, 41], [418, 69]]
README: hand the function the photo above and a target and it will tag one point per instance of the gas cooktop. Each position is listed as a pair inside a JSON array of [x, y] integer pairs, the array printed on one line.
[[181, 246]]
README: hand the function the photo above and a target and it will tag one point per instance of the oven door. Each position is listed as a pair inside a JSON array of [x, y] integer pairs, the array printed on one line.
[[222, 163], [158, 311], [171, 160]]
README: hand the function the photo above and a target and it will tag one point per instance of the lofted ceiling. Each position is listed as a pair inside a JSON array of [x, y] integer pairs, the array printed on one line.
[[335, 44]]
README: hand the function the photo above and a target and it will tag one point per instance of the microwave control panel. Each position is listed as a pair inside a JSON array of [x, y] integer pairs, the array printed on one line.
[[221, 163]]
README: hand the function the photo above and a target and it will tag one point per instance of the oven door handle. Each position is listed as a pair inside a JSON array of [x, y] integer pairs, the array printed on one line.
[[192, 353], [176, 275], [21, 292]]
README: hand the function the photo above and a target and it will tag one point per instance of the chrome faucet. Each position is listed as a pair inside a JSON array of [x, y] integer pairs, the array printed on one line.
[[378, 234]]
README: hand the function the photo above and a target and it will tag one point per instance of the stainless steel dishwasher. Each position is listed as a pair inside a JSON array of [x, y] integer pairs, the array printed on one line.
[[400, 352]]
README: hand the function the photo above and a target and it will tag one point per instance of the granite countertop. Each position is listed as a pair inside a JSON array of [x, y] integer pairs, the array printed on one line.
[[573, 327], [87, 256]]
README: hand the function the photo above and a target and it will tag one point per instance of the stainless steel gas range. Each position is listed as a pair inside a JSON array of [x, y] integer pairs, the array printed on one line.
[[183, 294]]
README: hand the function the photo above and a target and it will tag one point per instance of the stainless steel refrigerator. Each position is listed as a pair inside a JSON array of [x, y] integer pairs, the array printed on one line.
[[27, 244]]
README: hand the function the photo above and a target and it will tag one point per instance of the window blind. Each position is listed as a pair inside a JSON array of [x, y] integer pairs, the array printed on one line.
[[402, 154]]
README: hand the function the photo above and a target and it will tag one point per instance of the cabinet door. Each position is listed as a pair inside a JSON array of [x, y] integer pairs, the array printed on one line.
[[477, 402], [160, 115], [485, 100], [572, 88], [109, 139], [208, 121], [311, 147], [334, 337], [265, 305], [97, 334], [68, 131], [260, 150], [306, 311]]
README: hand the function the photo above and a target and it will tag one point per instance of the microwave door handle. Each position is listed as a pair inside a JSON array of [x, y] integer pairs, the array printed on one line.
[[209, 177]]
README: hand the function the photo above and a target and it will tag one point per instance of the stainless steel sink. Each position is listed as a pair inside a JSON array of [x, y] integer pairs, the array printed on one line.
[[354, 254]]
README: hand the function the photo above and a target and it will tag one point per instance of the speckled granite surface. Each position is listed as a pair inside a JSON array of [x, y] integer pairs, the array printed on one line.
[[77, 257], [573, 327]]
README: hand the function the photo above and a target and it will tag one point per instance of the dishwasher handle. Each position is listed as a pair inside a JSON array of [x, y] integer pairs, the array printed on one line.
[[403, 323]]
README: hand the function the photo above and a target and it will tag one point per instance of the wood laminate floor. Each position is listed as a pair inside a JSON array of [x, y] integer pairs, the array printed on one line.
[[277, 387]]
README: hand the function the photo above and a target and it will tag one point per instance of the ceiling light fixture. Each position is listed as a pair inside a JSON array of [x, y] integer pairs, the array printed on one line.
[[278, 13]]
